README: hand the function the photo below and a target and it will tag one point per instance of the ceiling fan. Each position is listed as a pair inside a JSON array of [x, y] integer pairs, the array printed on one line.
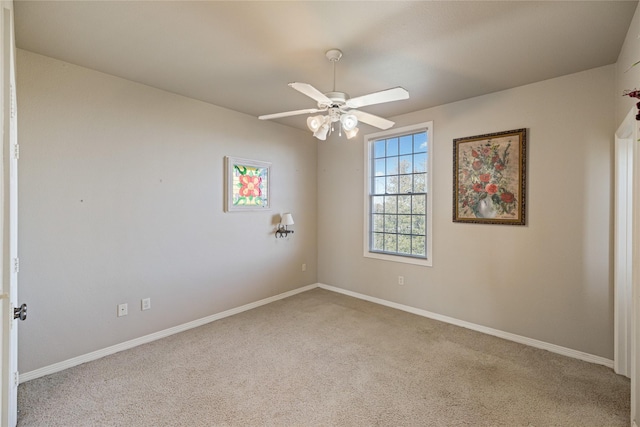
[[339, 107]]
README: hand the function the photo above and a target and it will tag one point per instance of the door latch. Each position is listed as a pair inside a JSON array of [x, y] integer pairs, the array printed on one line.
[[20, 312]]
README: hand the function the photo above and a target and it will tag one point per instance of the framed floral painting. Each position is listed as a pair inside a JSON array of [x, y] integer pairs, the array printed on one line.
[[247, 184], [489, 177]]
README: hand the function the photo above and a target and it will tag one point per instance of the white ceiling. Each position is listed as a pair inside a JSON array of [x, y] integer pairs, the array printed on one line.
[[241, 54]]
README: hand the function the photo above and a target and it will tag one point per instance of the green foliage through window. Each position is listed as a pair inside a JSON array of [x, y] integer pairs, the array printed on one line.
[[398, 195]]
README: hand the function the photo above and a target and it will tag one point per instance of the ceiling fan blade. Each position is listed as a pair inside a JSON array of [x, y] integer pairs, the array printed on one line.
[[289, 113], [311, 92], [372, 120], [394, 94]]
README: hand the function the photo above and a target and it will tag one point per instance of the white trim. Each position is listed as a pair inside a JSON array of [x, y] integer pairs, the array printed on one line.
[[60, 366], [635, 279], [57, 367], [479, 328], [623, 244]]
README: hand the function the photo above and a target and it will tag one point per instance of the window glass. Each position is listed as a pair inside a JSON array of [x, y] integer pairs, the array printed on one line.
[[398, 216]]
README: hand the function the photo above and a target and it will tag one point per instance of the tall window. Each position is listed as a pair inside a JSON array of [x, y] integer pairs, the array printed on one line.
[[398, 203]]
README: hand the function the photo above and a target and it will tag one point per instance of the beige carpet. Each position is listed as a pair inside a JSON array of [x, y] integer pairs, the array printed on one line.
[[325, 359]]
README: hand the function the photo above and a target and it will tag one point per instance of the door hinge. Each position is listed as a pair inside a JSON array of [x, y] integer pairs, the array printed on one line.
[[16, 265], [16, 379], [16, 151], [12, 102]]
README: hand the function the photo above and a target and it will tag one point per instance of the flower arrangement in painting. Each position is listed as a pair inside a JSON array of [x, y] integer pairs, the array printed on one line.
[[486, 188], [634, 94], [249, 185]]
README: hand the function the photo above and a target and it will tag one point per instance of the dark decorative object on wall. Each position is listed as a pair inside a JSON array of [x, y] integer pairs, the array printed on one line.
[[634, 94], [489, 178]]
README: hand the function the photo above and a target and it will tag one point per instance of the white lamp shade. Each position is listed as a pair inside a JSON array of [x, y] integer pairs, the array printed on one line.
[[351, 133], [321, 133], [286, 219], [349, 121], [314, 122]]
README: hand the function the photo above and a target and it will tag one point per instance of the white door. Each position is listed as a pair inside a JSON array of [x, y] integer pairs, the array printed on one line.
[[623, 227], [635, 327], [625, 141], [8, 213]]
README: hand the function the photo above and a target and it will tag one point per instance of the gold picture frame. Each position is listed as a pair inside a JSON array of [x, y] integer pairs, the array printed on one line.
[[489, 178]]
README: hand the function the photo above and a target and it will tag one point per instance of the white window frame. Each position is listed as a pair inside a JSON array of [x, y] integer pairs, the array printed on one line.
[[368, 140]]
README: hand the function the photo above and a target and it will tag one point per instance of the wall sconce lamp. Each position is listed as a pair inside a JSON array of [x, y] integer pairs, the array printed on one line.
[[285, 219]]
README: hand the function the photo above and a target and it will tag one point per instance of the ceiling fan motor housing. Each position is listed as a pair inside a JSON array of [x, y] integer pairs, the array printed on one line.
[[338, 99]]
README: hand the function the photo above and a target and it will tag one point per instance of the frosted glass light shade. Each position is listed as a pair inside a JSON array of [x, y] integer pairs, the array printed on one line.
[[351, 133], [314, 122], [349, 121], [286, 219], [321, 133]]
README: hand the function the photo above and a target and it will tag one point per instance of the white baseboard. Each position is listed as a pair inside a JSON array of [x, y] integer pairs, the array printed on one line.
[[57, 367], [489, 331]]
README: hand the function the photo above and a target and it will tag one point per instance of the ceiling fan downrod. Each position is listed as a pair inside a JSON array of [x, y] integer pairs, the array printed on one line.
[[334, 56]]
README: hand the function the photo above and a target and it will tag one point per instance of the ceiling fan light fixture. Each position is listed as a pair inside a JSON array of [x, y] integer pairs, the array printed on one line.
[[341, 111], [351, 133], [315, 122], [349, 122]]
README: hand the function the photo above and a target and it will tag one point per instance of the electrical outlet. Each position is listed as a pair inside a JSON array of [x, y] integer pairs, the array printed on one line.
[[304, 267], [146, 304], [400, 280], [123, 310]]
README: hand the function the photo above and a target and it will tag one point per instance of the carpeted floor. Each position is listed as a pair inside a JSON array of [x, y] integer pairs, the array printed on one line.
[[324, 359]]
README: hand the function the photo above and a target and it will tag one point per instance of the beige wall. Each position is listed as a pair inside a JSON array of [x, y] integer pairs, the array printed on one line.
[[550, 280], [121, 198]]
